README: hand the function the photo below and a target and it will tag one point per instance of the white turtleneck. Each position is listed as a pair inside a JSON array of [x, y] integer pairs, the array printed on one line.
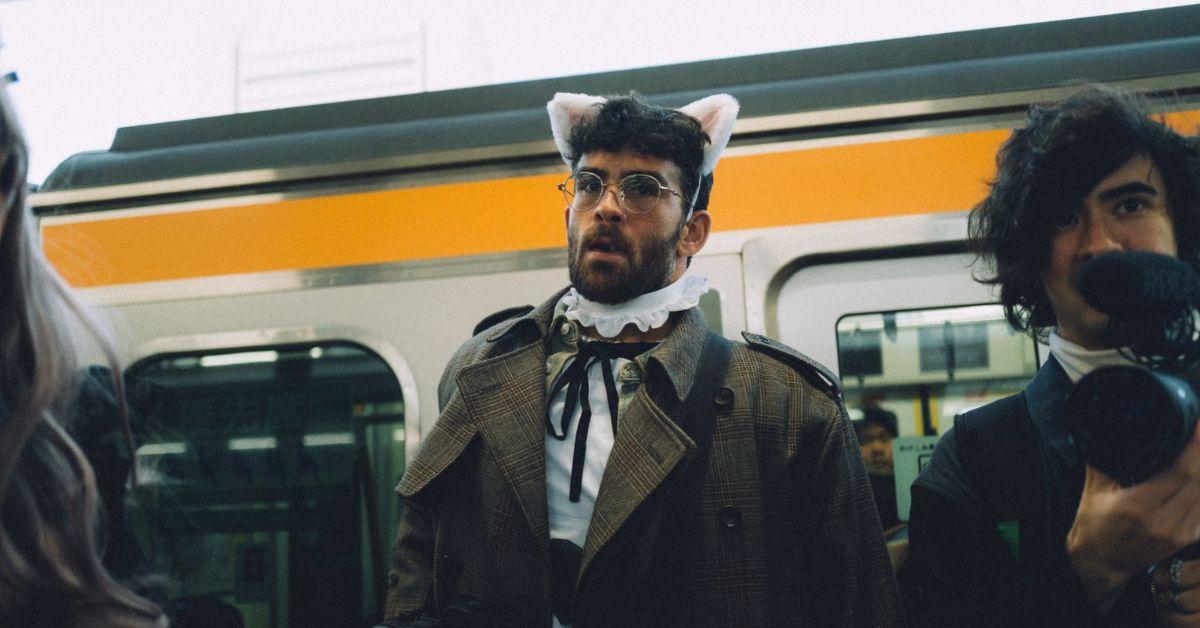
[[1078, 361]]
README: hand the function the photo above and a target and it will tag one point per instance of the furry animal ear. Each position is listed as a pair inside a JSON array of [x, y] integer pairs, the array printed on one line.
[[716, 114], [566, 111]]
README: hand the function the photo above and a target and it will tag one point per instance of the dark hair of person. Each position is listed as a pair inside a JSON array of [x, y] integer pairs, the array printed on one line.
[[51, 572], [874, 415], [1050, 165], [627, 123]]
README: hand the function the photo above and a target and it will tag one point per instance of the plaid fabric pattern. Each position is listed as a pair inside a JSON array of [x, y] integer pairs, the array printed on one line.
[[788, 531]]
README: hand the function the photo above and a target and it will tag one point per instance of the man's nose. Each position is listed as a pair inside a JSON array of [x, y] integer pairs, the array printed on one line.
[[1098, 238], [609, 207]]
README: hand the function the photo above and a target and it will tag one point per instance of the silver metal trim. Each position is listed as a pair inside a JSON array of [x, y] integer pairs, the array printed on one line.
[[792, 121], [258, 338], [769, 260], [274, 175], [942, 106]]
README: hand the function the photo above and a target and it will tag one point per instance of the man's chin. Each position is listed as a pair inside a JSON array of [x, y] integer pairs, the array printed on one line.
[[603, 292]]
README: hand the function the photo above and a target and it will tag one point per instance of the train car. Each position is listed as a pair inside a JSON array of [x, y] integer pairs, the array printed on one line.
[[289, 284]]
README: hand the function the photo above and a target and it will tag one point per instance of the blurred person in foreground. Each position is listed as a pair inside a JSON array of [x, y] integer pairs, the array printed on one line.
[[52, 522], [1009, 526]]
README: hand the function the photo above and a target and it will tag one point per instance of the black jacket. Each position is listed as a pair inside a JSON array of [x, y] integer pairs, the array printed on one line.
[[990, 516]]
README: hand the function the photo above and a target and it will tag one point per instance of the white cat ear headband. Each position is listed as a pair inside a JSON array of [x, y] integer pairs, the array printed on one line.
[[716, 115]]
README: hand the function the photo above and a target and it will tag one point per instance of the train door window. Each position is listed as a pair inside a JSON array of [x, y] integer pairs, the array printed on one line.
[[927, 366], [266, 480], [886, 325]]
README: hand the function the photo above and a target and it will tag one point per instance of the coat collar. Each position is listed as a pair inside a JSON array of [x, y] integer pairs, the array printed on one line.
[[536, 323], [678, 354], [1046, 399]]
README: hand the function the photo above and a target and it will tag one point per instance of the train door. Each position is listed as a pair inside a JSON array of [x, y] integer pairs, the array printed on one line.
[[265, 476], [891, 305]]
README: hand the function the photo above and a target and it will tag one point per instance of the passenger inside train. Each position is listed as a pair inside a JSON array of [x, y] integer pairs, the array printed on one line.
[[53, 528], [875, 432], [1011, 522], [635, 504]]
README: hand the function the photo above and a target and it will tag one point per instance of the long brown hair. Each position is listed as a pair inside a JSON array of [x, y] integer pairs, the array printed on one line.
[[50, 548]]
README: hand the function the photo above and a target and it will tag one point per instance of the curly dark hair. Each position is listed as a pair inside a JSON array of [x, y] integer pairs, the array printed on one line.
[[629, 123], [1064, 151]]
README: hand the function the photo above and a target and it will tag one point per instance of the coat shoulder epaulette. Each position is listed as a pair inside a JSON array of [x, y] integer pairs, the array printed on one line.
[[499, 317], [814, 372]]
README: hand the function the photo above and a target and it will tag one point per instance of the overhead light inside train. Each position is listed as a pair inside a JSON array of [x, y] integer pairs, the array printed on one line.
[[232, 359], [161, 449], [250, 444], [333, 438]]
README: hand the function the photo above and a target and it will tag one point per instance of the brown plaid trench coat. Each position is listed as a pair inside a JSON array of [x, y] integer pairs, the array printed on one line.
[[787, 532]]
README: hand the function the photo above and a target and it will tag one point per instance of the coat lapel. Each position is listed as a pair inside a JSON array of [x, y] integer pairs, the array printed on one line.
[[507, 400], [648, 446], [506, 396]]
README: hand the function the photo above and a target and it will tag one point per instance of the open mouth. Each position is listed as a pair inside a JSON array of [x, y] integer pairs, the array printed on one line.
[[603, 245]]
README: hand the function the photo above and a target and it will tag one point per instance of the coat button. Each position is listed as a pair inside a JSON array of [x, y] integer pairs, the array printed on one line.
[[724, 397], [730, 517]]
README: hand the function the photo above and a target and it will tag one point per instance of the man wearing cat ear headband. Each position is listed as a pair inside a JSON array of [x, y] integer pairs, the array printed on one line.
[[605, 460]]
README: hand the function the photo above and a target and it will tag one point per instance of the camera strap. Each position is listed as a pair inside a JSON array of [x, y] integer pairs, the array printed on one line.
[[678, 532]]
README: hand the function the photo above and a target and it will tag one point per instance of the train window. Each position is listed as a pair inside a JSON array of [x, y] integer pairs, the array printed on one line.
[[266, 479], [928, 365]]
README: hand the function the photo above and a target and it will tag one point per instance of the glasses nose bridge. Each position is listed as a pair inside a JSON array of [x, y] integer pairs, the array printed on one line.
[[618, 195]]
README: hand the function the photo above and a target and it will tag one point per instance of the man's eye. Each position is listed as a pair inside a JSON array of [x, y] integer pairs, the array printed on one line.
[[1131, 205], [640, 187], [587, 185]]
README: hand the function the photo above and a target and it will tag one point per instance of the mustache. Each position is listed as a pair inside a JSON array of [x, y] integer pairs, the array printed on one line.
[[615, 239]]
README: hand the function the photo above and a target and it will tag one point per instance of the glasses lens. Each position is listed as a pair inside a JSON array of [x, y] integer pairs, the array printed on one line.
[[640, 193], [584, 189]]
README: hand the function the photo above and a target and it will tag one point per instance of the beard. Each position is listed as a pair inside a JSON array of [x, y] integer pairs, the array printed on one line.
[[647, 267]]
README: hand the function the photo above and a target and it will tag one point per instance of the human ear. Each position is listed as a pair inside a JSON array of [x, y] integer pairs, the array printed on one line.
[[695, 234]]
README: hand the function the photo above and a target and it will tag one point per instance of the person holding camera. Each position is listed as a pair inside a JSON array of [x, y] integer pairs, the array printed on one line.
[[1009, 526]]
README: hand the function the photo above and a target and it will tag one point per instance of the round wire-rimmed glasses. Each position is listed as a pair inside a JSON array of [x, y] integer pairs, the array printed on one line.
[[636, 193]]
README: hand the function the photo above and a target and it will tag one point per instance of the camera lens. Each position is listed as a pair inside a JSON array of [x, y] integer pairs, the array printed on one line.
[[1129, 422]]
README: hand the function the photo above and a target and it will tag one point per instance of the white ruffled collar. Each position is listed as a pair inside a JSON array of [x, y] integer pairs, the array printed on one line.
[[648, 311], [1078, 361]]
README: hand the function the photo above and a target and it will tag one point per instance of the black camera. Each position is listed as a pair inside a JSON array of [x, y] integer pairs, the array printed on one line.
[[1131, 422]]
